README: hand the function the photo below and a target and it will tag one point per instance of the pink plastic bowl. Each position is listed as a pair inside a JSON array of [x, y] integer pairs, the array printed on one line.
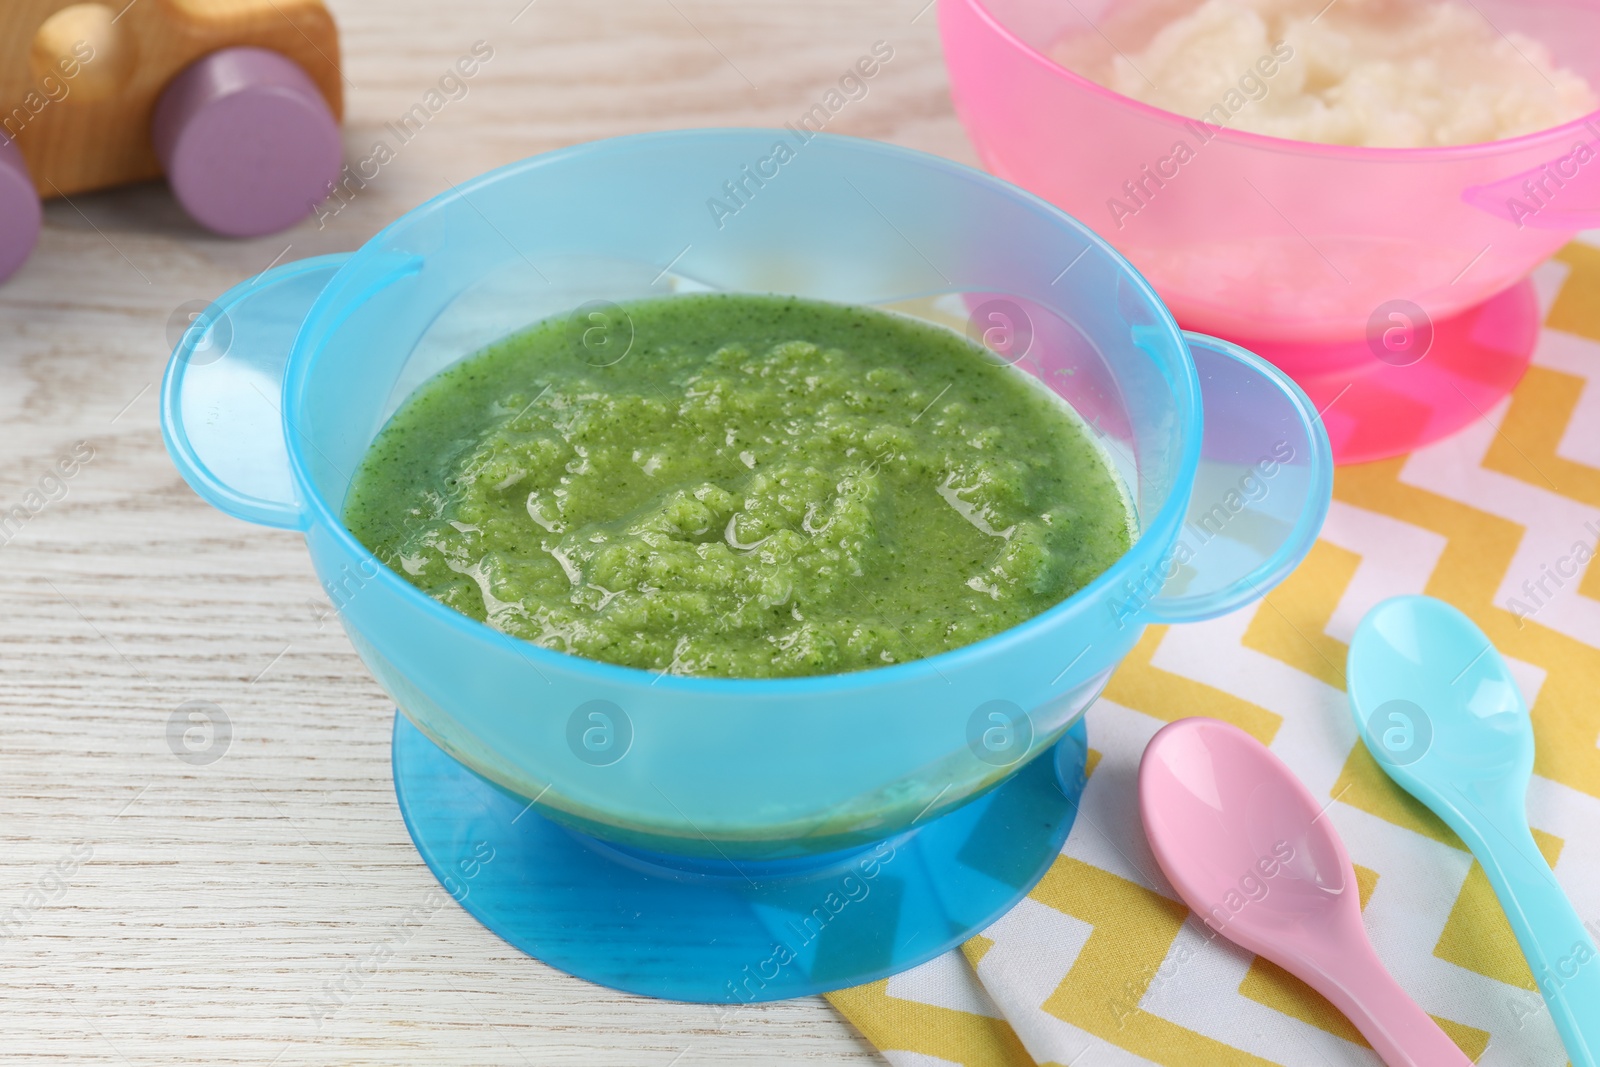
[[1300, 250]]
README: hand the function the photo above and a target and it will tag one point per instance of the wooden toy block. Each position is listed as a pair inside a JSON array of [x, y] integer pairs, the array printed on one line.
[[88, 127], [237, 102]]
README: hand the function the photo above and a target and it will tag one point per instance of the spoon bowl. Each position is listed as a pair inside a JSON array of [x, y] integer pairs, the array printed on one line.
[[1240, 839], [1245, 844], [1435, 702]]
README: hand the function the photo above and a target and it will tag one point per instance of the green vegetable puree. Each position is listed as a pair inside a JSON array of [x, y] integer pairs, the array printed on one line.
[[761, 487]]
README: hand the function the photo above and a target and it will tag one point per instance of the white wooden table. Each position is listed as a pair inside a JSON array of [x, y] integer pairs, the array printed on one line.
[[158, 911]]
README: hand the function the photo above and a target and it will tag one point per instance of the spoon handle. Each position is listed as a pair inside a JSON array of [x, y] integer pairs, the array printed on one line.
[[1560, 951], [1400, 1032]]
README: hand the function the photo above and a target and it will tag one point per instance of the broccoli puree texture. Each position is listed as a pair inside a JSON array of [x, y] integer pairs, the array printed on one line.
[[763, 486]]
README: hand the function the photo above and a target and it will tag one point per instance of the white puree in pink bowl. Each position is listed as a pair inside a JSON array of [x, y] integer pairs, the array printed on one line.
[[1375, 73]]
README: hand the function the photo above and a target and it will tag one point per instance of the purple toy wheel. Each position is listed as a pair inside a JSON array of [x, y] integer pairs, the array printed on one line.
[[249, 145], [20, 213]]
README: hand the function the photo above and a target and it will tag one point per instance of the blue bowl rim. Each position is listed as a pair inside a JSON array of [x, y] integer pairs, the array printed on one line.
[[1154, 538]]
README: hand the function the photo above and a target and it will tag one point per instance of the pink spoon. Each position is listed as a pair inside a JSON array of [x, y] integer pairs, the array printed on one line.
[[1245, 845]]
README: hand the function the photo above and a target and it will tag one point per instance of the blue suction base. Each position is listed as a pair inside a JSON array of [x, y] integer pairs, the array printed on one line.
[[737, 932]]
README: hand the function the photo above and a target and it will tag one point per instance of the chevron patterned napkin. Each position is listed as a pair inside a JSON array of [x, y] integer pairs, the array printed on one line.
[[1101, 965]]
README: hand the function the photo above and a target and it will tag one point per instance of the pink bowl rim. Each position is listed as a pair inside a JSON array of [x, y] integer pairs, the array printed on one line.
[[1435, 154]]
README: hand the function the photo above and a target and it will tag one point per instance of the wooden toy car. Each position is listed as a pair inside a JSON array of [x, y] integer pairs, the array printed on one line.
[[237, 102]]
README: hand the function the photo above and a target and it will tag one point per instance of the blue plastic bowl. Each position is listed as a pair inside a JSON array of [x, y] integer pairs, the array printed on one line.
[[273, 398]]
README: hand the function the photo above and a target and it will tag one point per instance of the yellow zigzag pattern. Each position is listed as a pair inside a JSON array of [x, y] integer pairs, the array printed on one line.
[[908, 1026]]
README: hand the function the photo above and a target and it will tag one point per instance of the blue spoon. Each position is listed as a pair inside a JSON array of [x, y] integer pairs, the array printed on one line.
[[1440, 712]]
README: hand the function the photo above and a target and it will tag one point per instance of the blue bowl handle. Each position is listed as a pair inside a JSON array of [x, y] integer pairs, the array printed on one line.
[[1261, 492], [222, 398]]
